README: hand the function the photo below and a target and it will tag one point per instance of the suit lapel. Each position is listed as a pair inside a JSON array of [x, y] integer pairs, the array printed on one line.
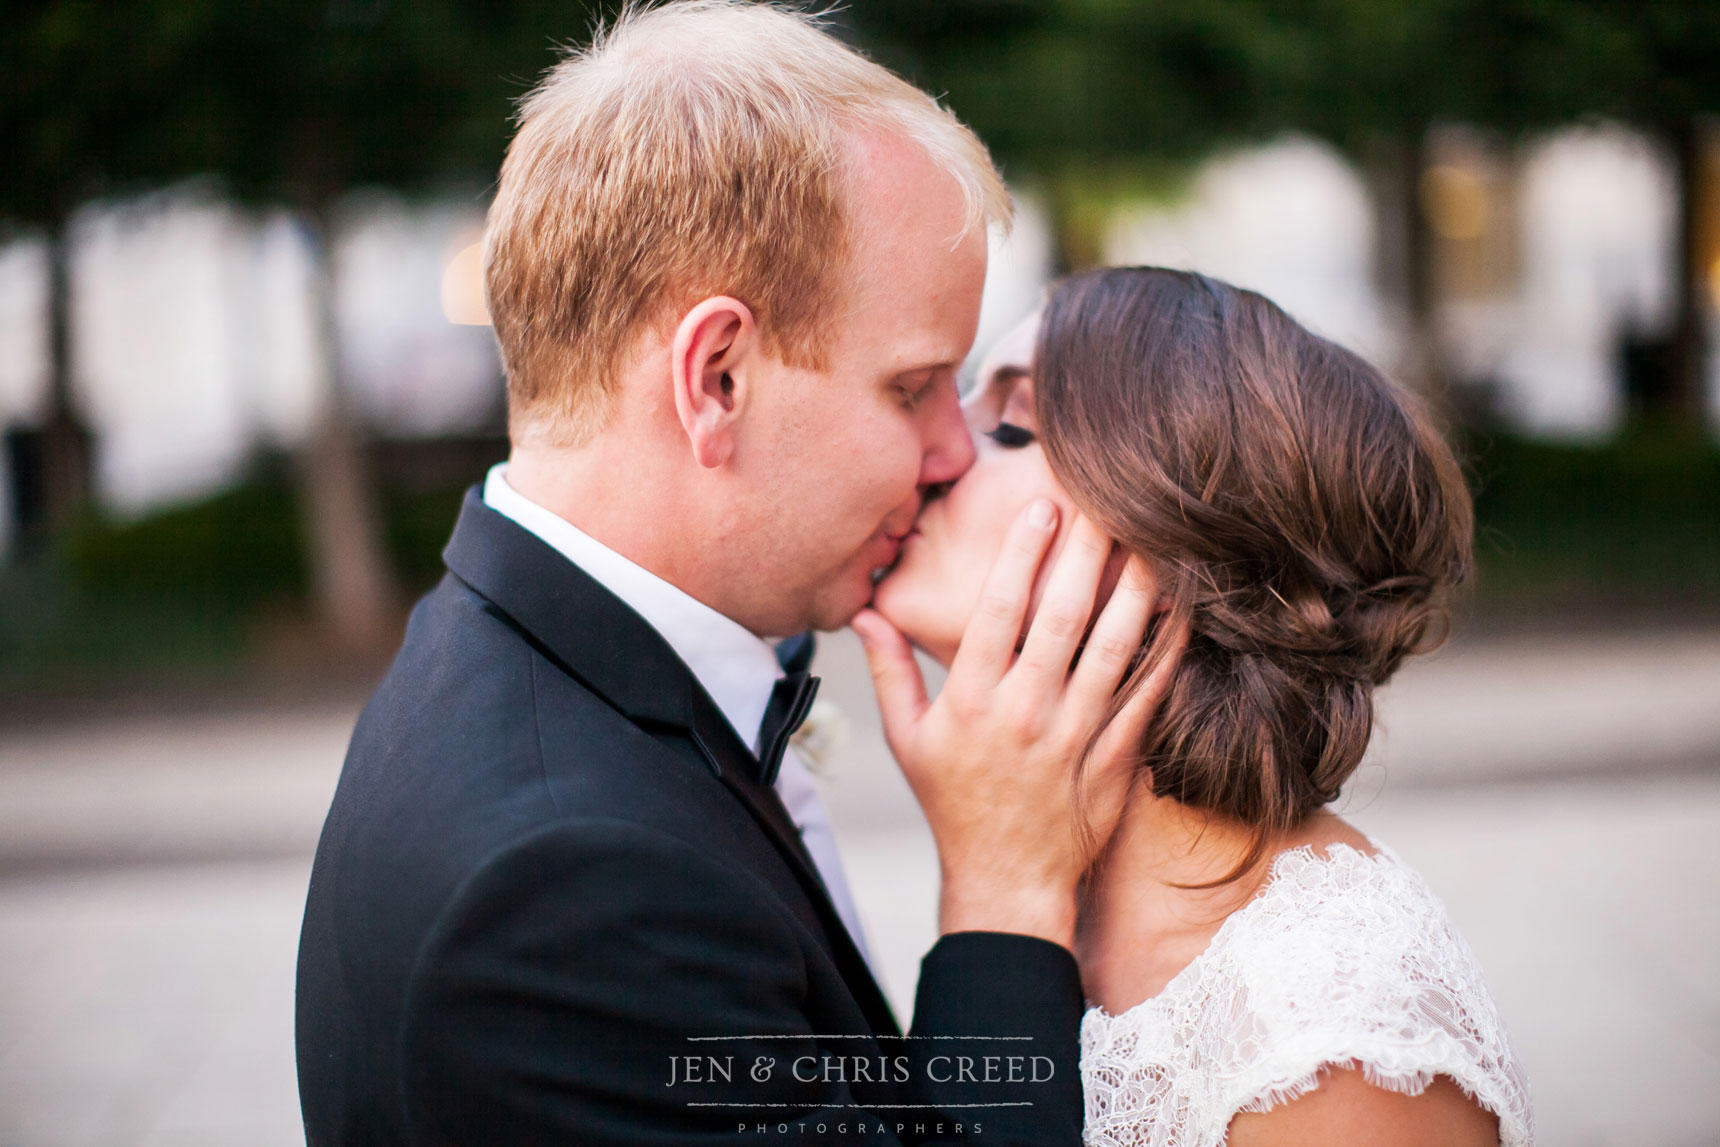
[[735, 765], [600, 641]]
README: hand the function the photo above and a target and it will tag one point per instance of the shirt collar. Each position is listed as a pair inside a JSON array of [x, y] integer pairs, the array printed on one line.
[[737, 668]]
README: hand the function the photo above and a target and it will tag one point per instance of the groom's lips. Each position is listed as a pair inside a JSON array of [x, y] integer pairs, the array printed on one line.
[[900, 540], [891, 555]]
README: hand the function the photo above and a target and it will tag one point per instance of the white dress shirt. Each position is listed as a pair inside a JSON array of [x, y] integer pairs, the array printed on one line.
[[737, 668]]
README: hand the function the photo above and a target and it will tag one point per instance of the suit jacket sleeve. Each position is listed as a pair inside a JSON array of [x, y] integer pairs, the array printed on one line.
[[1021, 997], [569, 970]]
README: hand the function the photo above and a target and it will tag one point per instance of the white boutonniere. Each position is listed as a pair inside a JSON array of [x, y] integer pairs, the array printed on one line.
[[823, 734]]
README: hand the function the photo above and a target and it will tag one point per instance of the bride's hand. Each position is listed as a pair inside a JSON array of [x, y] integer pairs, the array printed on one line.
[[991, 760]]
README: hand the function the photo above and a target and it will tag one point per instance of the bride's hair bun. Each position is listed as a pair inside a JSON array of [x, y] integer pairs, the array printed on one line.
[[1303, 513]]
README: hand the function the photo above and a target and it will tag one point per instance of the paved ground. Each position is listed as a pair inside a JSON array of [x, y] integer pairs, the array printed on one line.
[[1563, 796]]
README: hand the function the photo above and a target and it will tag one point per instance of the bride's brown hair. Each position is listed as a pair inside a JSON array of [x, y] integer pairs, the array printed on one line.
[[1305, 518]]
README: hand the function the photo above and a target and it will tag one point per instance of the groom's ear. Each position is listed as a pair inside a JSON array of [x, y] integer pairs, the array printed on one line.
[[713, 344]]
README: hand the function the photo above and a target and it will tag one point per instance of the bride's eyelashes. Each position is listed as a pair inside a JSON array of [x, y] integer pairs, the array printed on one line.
[[1010, 435]]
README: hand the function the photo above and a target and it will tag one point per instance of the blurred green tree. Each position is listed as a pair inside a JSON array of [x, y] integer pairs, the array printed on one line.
[[1667, 56], [1080, 94], [56, 98], [1073, 93], [1375, 77], [288, 101], [1378, 75], [1088, 99]]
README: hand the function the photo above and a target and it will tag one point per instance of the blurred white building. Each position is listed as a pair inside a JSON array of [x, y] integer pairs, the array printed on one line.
[[160, 347], [1291, 220], [1598, 211], [1592, 226], [1593, 234], [415, 340], [23, 351], [195, 334]]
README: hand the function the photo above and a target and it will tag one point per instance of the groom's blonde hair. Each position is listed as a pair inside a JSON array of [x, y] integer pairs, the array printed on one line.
[[693, 149]]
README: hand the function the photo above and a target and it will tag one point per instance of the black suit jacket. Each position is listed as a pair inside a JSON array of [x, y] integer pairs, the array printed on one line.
[[551, 874]]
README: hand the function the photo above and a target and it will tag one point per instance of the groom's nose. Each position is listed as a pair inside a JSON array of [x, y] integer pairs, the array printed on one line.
[[947, 443]]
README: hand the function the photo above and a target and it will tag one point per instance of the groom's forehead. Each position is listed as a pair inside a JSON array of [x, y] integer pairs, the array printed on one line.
[[917, 268], [899, 196]]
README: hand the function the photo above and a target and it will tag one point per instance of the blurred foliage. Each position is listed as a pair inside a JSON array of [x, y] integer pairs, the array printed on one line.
[[289, 100], [1631, 525], [298, 99], [418, 523], [242, 546], [235, 549], [1058, 83], [1053, 83], [198, 587], [57, 632]]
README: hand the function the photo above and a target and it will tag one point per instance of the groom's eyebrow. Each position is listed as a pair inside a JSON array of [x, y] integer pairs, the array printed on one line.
[[927, 368], [929, 371]]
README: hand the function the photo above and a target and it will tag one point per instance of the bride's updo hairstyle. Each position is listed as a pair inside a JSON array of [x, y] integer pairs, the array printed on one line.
[[1303, 513]]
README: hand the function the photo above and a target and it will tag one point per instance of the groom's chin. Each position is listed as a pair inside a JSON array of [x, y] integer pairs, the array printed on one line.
[[844, 597]]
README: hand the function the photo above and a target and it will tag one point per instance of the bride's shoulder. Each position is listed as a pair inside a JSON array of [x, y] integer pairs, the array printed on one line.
[[1352, 892], [1345, 930]]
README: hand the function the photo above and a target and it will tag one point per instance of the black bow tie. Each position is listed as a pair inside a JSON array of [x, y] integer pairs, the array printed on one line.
[[789, 702]]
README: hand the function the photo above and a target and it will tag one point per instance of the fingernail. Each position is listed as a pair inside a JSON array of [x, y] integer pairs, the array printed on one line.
[[1042, 514]]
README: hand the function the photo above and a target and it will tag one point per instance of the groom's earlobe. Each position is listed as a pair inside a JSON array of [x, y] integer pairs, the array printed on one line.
[[713, 339], [710, 430]]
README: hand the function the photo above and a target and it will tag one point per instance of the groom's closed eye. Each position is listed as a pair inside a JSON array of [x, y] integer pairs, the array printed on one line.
[[913, 394], [913, 387]]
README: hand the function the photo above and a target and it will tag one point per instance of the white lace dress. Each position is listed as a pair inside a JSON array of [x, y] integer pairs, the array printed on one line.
[[1340, 957]]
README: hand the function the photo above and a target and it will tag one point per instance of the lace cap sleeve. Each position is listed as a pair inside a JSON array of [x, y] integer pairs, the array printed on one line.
[[1353, 958], [1343, 957]]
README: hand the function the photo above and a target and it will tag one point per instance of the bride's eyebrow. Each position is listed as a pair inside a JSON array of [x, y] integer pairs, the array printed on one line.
[[1008, 376]]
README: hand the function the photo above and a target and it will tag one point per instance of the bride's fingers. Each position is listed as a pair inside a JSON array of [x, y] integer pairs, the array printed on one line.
[[1123, 736], [1116, 758], [1064, 609], [988, 644], [895, 674], [1115, 639]]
